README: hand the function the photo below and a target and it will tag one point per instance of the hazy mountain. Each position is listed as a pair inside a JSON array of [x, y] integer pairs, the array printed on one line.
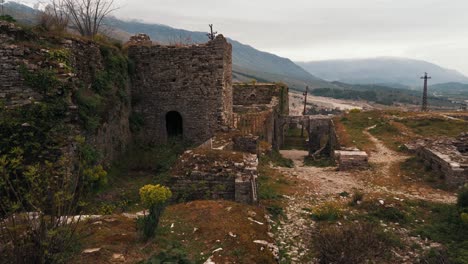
[[385, 70]]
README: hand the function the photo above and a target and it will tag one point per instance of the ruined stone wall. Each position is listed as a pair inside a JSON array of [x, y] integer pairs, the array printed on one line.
[[13, 91], [261, 93], [321, 130], [202, 174], [455, 174], [113, 135], [195, 81], [18, 50]]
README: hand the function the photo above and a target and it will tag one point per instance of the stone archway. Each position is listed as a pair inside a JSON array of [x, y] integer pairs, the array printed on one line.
[[174, 125]]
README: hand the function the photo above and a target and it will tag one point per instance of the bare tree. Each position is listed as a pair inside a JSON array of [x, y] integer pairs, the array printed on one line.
[[87, 15], [55, 16]]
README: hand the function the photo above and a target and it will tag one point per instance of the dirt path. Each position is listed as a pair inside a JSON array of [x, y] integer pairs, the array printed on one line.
[[318, 185]]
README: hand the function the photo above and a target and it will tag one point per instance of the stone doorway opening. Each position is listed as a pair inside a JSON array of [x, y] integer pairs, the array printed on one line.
[[174, 125]]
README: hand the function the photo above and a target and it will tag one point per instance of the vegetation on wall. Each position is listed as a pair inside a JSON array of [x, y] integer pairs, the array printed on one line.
[[46, 167], [109, 85]]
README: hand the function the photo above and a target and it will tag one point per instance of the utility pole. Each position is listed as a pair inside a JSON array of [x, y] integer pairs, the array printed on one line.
[[212, 35], [305, 108], [424, 99]]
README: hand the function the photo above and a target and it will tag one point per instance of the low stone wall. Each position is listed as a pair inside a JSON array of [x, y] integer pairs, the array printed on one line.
[[248, 143], [215, 174], [455, 174], [447, 156], [349, 160]]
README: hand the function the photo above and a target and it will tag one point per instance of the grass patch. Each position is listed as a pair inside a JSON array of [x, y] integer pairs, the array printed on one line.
[[376, 212], [435, 127], [321, 162], [139, 166], [352, 125], [414, 168], [444, 225], [277, 159]]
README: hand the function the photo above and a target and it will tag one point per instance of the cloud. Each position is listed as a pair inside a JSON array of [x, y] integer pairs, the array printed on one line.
[[431, 30]]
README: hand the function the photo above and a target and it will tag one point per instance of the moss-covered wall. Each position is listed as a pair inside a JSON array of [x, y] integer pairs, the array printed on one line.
[[56, 89]]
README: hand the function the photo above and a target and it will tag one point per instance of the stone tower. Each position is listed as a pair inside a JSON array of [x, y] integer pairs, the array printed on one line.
[[181, 91]]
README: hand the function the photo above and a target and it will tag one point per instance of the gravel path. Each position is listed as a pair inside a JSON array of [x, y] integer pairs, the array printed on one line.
[[318, 185]]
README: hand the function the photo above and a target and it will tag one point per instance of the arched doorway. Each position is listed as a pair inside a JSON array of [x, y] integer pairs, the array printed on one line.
[[174, 124]]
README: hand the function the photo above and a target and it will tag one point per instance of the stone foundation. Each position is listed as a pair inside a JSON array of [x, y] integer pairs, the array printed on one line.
[[445, 155]]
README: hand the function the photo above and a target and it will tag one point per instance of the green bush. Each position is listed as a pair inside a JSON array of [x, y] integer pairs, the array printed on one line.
[[462, 200], [326, 212], [7, 18], [155, 198]]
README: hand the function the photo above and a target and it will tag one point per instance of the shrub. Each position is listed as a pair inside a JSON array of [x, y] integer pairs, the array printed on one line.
[[351, 243], [275, 211], [155, 198], [357, 197], [7, 18], [326, 212], [462, 200]]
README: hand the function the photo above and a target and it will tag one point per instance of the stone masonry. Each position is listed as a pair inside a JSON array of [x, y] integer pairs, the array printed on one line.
[[192, 82], [448, 156]]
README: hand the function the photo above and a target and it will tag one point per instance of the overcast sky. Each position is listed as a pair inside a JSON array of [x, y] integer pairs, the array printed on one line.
[[432, 30]]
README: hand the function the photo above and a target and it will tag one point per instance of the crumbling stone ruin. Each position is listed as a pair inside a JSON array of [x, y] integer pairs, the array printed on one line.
[[449, 156], [182, 91], [321, 131], [258, 106], [209, 172]]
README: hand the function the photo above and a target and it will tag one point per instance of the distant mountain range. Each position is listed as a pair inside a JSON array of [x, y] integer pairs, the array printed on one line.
[[389, 71], [250, 63]]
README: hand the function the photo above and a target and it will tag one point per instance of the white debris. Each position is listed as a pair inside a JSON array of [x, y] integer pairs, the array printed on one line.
[[218, 249], [257, 222], [209, 261], [232, 235], [91, 250]]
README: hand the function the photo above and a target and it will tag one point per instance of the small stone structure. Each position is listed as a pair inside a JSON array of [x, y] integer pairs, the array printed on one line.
[[321, 130], [351, 159], [208, 173], [182, 91], [449, 156], [258, 106]]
